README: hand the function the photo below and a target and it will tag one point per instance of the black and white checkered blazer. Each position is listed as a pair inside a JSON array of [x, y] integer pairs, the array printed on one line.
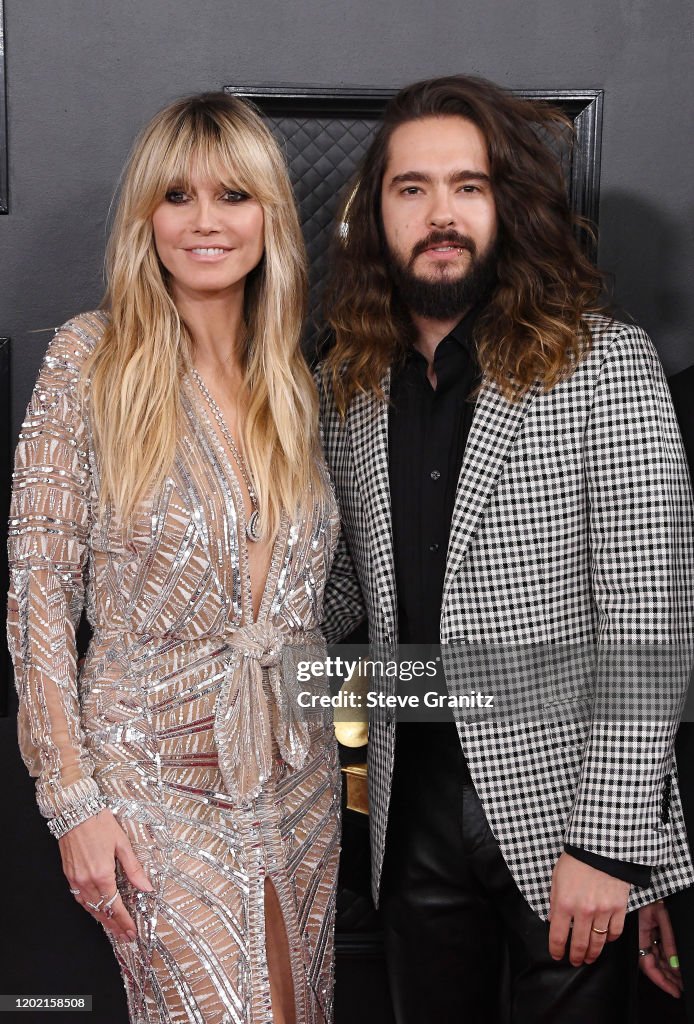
[[573, 524]]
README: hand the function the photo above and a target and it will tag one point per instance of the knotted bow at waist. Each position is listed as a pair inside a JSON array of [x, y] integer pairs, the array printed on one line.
[[258, 701]]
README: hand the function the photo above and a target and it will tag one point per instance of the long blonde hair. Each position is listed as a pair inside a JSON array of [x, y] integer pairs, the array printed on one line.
[[136, 369]]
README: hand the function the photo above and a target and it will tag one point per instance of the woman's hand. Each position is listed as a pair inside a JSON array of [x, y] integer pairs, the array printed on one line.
[[656, 936], [89, 853]]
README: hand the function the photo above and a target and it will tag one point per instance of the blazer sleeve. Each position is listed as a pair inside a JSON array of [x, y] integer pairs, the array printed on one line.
[[642, 551], [48, 546], [343, 603]]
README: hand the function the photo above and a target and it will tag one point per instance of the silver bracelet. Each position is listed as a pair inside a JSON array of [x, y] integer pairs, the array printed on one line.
[[61, 825]]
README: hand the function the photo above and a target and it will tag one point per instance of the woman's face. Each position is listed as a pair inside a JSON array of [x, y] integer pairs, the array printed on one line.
[[208, 237]]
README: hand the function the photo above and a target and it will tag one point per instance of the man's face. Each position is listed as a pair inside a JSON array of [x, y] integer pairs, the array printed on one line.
[[439, 215]]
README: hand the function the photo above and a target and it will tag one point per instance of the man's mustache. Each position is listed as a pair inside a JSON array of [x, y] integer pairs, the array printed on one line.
[[443, 238]]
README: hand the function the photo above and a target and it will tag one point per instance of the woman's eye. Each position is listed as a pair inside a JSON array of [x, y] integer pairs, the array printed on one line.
[[233, 196], [176, 195]]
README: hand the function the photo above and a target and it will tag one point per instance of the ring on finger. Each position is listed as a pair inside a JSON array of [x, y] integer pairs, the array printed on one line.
[[75, 892], [646, 952], [96, 907], [109, 903], [599, 931]]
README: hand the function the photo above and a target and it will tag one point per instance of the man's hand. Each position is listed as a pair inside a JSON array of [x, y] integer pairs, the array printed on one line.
[[595, 902], [656, 936]]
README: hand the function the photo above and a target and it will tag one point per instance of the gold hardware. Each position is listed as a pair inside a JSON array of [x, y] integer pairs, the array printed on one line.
[[357, 788]]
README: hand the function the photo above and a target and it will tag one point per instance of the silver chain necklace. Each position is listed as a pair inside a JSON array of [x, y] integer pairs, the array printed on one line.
[[253, 530]]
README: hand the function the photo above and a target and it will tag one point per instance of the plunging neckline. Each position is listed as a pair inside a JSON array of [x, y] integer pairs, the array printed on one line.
[[280, 540]]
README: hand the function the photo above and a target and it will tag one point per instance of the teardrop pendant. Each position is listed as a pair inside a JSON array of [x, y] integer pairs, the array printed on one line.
[[253, 531]]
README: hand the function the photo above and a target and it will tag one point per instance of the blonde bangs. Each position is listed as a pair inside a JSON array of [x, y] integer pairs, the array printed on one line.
[[217, 150]]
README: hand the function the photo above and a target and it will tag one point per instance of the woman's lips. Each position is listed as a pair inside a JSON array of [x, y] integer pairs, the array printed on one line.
[[208, 254]]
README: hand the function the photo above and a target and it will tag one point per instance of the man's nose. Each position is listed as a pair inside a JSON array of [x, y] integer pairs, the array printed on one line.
[[441, 211]]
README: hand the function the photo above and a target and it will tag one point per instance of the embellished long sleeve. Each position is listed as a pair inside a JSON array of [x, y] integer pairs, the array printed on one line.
[[48, 538]]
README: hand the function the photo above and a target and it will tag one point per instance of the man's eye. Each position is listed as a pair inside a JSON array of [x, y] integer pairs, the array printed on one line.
[[234, 196], [176, 195], [411, 190]]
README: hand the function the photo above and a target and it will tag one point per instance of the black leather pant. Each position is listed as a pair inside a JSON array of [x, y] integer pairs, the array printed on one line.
[[462, 944]]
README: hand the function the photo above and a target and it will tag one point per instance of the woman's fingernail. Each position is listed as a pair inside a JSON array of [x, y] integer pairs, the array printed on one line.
[[674, 961], [131, 935]]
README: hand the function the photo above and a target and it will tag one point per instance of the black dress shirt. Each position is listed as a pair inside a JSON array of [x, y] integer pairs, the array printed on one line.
[[427, 432]]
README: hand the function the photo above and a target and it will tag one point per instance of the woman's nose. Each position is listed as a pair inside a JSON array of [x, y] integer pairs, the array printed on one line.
[[204, 215]]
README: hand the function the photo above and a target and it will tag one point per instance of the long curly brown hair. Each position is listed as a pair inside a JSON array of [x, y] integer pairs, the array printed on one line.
[[532, 328]]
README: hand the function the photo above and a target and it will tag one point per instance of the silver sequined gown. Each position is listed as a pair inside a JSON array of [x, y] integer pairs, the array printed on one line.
[[179, 715]]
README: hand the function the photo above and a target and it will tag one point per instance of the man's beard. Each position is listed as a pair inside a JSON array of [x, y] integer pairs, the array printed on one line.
[[443, 297]]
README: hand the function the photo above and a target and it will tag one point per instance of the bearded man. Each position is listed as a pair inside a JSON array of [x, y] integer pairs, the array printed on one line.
[[510, 476]]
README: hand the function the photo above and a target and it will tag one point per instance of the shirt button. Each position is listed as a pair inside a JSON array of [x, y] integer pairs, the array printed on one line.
[[434, 474], [433, 547]]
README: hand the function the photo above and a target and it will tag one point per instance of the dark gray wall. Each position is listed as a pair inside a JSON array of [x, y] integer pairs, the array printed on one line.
[[83, 75]]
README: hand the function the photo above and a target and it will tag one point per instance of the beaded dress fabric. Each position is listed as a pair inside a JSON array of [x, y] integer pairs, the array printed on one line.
[[182, 715]]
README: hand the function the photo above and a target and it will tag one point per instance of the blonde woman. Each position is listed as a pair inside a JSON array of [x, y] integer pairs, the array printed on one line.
[[168, 470]]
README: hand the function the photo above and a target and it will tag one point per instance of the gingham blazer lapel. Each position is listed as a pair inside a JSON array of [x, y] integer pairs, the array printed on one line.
[[494, 427], [367, 421]]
